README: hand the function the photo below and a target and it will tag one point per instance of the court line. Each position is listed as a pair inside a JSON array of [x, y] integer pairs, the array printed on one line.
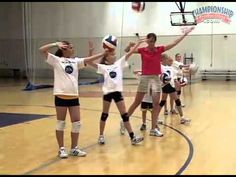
[[179, 172]]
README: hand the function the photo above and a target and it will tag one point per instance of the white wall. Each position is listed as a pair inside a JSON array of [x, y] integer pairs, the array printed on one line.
[[79, 21]]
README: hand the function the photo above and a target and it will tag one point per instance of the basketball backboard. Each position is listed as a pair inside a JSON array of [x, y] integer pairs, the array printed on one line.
[[182, 18]]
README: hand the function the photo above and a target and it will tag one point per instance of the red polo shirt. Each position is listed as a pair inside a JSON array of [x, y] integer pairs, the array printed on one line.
[[151, 60]]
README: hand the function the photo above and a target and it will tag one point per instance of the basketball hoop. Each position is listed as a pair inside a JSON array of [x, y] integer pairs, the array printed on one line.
[[182, 18]]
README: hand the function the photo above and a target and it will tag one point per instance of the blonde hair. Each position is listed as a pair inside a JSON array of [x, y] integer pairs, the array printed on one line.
[[164, 57]]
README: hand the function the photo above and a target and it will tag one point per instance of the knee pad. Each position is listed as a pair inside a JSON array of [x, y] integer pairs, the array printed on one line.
[[76, 127], [61, 124], [104, 116], [179, 92], [178, 102], [162, 103], [125, 117]]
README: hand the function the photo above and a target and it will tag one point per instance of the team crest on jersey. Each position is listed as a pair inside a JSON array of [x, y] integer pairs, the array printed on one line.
[[69, 69], [112, 74]]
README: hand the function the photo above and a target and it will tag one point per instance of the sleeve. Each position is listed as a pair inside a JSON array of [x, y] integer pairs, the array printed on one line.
[[162, 69], [175, 64], [161, 48], [100, 69], [140, 50], [80, 63], [52, 59], [122, 62]]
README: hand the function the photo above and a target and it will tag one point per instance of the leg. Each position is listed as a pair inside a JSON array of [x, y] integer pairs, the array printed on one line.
[[172, 110], [105, 110], [121, 107], [104, 116], [179, 108], [144, 116], [138, 99], [61, 116], [162, 102], [156, 108], [165, 109], [75, 120]]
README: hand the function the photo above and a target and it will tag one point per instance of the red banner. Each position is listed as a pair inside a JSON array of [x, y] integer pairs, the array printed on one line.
[[204, 17]]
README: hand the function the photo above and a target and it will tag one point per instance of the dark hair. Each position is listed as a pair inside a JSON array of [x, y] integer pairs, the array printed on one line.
[[177, 54], [103, 60], [59, 52], [152, 35]]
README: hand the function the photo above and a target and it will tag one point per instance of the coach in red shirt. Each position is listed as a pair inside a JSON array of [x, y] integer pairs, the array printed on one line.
[[151, 69]]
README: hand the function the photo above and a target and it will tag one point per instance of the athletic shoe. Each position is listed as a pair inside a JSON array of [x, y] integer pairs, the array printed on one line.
[[155, 132], [77, 152], [62, 153], [185, 120], [136, 140], [101, 139]]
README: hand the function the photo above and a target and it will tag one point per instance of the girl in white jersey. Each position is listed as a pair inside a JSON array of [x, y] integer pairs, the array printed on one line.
[[66, 91], [181, 70], [168, 86], [112, 71]]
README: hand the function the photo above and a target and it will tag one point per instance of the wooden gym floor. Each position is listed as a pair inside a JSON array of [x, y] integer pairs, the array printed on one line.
[[207, 146]]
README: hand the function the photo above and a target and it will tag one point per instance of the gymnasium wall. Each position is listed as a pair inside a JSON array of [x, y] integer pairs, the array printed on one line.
[[80, 21]]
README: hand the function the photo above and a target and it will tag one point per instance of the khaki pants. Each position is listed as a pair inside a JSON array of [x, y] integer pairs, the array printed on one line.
[[148, 82]]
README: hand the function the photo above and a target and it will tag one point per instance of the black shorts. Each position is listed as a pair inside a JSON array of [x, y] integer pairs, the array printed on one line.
[[146, 106], [66, 102], [117, 96], [168, 88]]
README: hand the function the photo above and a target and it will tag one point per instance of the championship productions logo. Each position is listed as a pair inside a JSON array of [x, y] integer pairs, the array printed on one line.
[[213, 14]]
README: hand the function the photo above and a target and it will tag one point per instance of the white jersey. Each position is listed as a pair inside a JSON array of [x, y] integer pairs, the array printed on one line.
[[147, 98], [178, 67], [113, 75], [65, 74], [171, 71]]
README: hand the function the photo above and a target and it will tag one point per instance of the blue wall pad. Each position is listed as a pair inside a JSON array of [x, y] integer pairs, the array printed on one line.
[[7, 119], [31, 86]]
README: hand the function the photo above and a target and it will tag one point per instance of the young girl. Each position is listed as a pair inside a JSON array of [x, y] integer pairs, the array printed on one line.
[[168, 86], [66, 91], [112, 71]]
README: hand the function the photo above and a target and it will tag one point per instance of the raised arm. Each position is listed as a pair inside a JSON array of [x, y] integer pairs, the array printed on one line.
[[91, 48], [88, 60], [173, 44], [45, 48], [134, 49], [131, 44]]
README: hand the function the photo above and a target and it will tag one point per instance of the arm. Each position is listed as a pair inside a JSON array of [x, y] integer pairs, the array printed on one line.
[[91, 48], [133, 49], [93, 65], [88, 60], [45, 48], [131, 44], [173, 44]]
